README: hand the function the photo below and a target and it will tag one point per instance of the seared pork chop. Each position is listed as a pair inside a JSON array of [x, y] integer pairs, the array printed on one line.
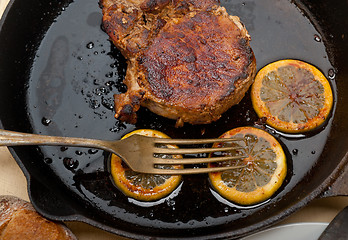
[[188, 60]]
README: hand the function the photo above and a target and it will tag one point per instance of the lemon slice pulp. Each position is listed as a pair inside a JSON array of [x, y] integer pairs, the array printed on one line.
[[140, 186], [259, 175], [293, 95]]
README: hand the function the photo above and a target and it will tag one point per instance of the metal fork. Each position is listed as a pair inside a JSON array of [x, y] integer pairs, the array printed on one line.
[[141, 153]]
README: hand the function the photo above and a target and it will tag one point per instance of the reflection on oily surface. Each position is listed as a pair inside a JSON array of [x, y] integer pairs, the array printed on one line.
[[52, 80]]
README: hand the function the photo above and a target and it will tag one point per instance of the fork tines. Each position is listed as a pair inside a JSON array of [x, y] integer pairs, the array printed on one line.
[[175, 171], [177, 151], [195, 141], [198, 160], [234, 155]]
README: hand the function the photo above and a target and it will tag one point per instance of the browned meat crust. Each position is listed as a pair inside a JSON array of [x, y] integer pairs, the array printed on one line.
[[187, 60]]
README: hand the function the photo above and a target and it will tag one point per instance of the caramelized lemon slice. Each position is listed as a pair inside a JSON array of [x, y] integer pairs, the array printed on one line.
[[140, 186], [293, 95], [259, 175]]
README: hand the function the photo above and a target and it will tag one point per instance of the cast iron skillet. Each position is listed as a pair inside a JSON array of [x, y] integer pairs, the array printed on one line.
[[58, 72]]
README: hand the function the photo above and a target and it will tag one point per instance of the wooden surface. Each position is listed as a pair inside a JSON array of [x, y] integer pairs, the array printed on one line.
[[13, 182]]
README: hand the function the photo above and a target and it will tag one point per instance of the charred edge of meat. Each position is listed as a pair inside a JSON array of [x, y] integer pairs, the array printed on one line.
[[130, 104], [249, 72]]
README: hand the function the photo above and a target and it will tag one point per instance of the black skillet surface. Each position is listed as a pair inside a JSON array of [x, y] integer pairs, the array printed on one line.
[[58, 72]]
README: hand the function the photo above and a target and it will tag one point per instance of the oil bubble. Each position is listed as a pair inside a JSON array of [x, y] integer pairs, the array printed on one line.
[[96, 82], [170, 202], [90, 45], [48, 160], [94, 104], [46, 121], [63, 149], [295, 151], [108, 103], [109, 83], [92, 151], [109, 75], [78, 152], [331, 73], [70, 163], [317, 38], [118, 127], [101, 91]]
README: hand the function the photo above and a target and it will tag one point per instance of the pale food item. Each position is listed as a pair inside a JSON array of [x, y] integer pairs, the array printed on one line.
[[19, 220]]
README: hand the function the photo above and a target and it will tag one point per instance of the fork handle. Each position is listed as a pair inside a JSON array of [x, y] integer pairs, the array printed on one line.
[[11, 138]]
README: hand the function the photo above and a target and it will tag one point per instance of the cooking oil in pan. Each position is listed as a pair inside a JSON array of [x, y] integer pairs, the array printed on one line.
[[77, 71]]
